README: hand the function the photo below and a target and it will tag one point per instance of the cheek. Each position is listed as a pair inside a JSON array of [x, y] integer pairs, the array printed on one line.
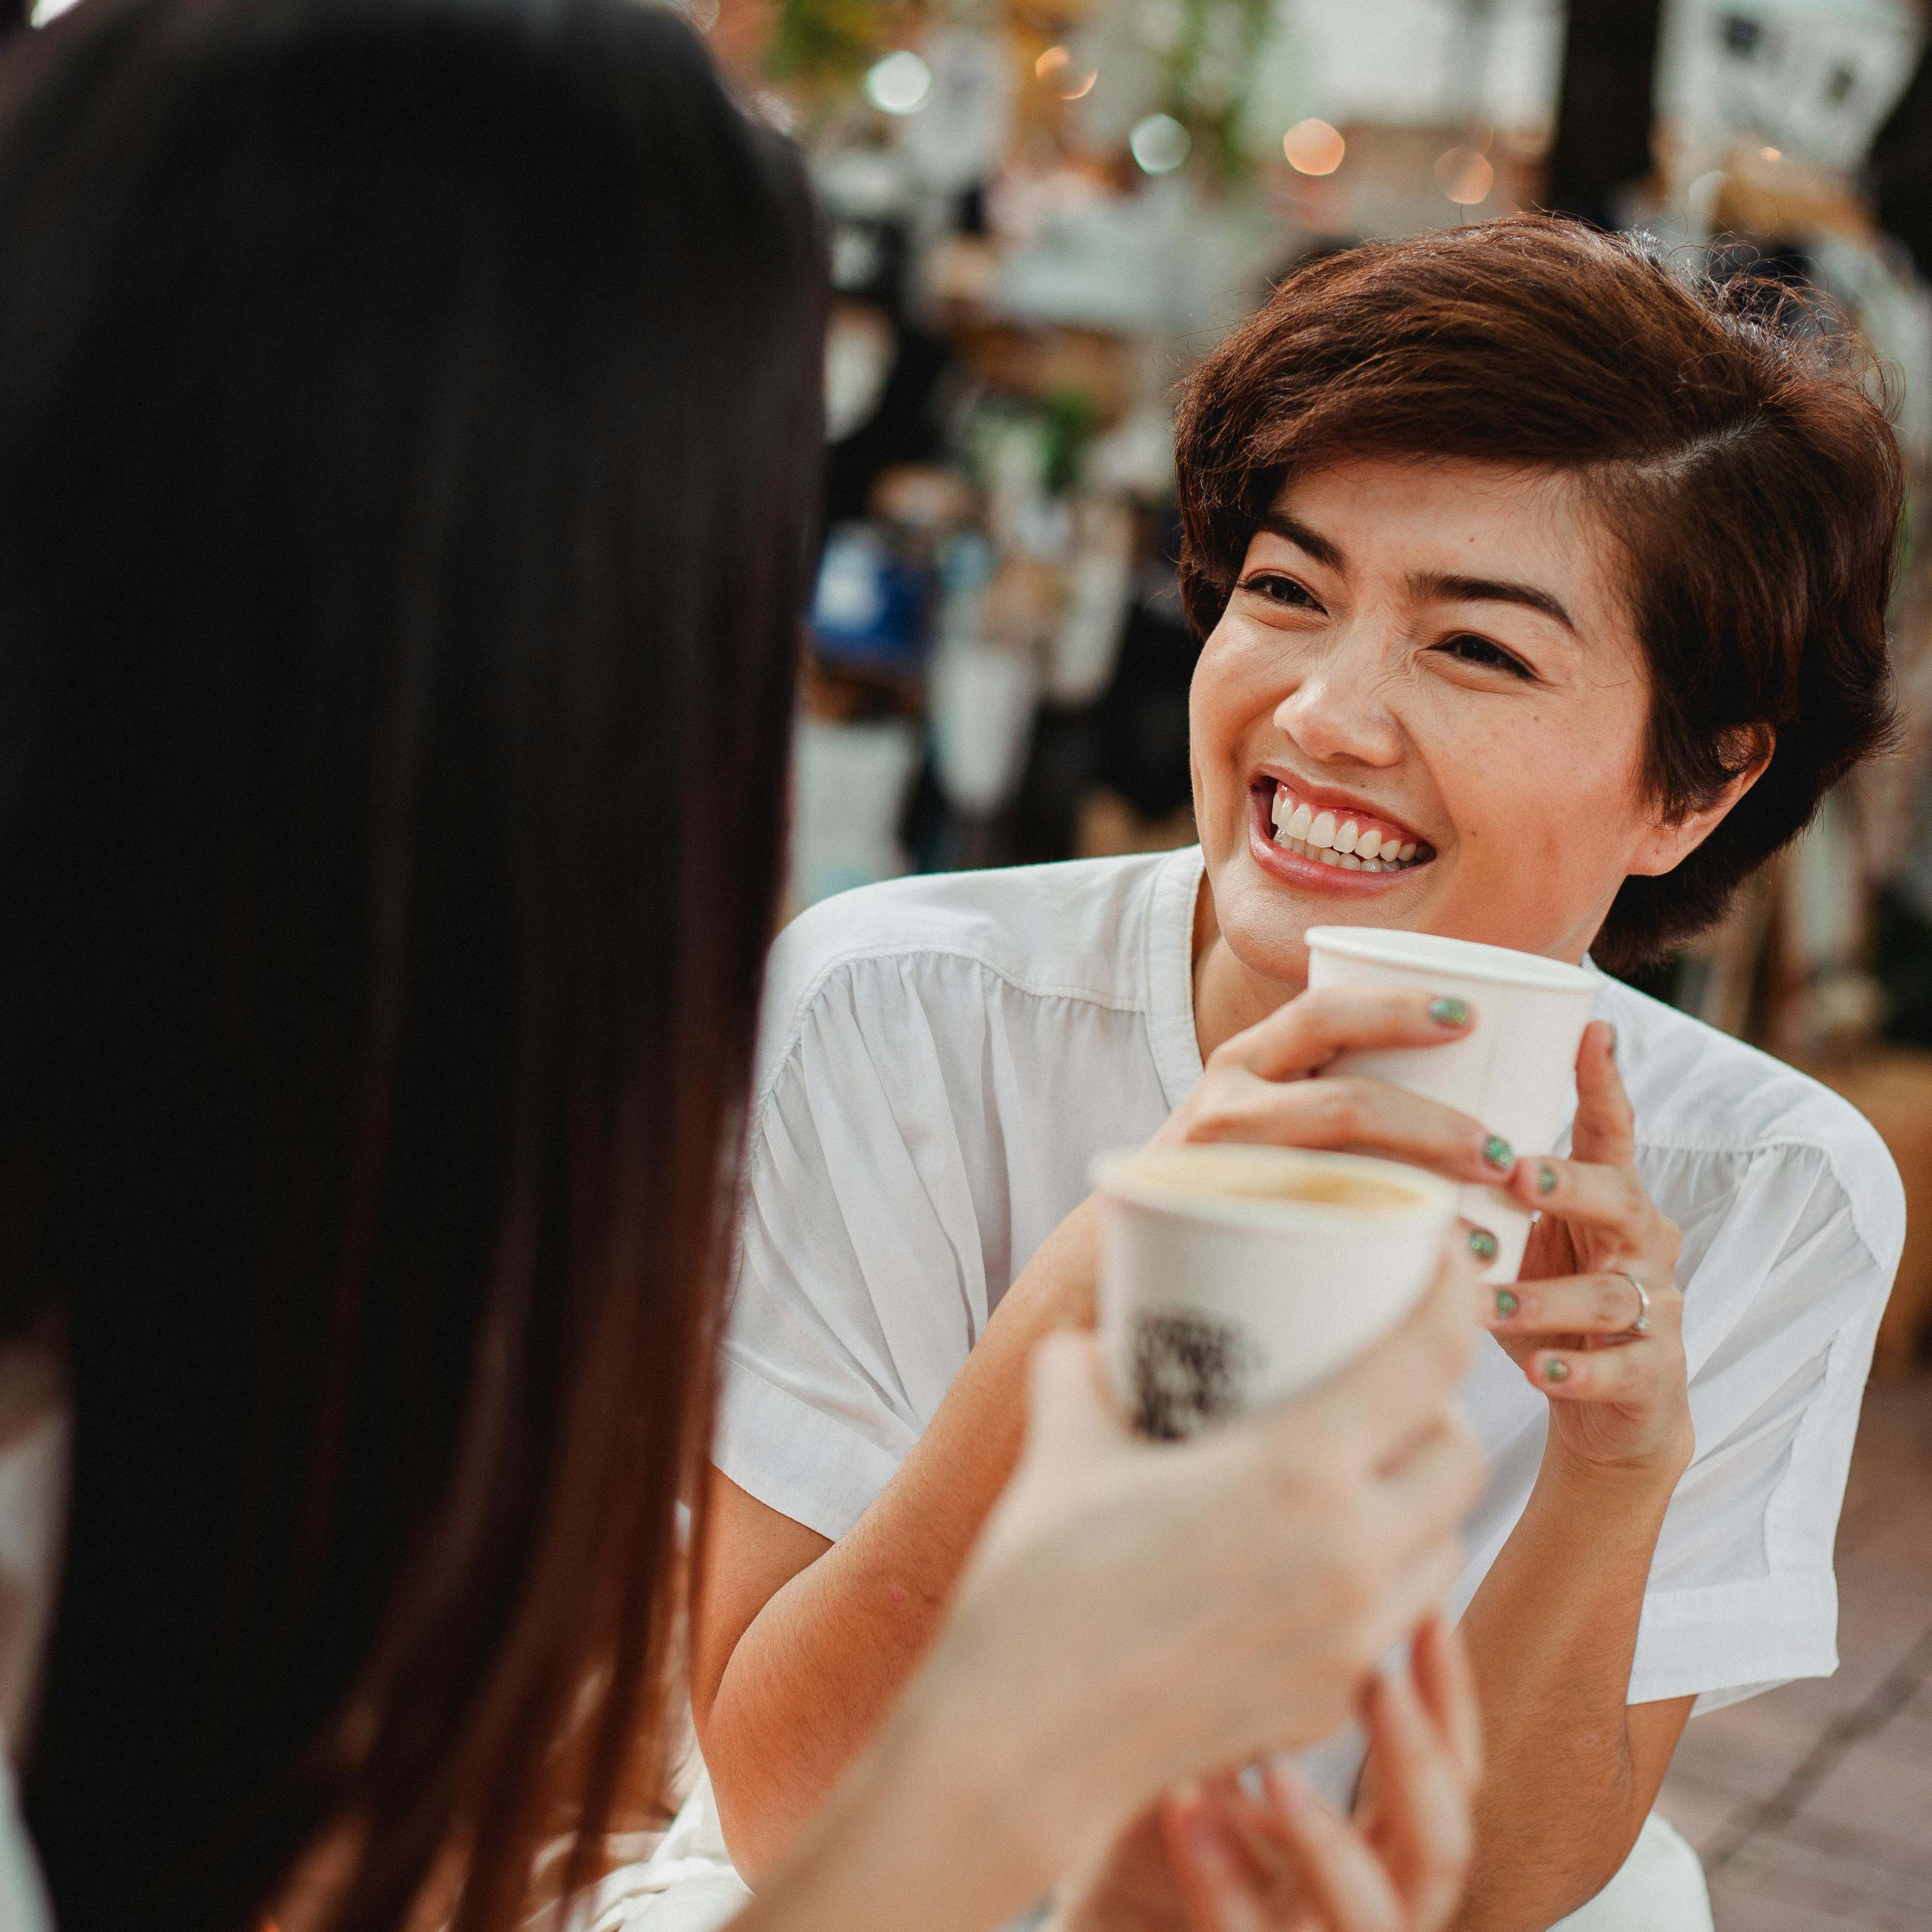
[[1556, 801], [1228, 697]]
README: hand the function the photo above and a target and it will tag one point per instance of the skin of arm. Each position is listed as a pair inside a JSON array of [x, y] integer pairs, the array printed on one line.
[[1573, 1769], [799, 1646], [1552, 1632]]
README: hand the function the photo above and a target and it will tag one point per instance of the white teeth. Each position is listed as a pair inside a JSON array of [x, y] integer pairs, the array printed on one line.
[[1313, 835]]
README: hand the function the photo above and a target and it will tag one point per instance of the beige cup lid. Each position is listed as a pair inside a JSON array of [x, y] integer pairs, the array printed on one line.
[[1169, 1178]]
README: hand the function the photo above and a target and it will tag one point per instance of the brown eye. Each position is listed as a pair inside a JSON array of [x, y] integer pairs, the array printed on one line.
[[1491, 656], [1282, 590]]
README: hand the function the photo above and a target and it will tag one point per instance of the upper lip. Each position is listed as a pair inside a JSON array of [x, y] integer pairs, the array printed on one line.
[[1328, 798]]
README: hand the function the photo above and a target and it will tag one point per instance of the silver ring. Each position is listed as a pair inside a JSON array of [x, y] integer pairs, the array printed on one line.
[[1641, 1326]]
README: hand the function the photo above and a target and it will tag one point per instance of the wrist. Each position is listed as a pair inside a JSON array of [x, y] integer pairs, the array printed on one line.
[[1652, 1474]]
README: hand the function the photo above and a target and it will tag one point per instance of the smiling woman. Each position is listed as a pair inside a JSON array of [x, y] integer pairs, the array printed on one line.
[[1543, 591], [1536, 475]]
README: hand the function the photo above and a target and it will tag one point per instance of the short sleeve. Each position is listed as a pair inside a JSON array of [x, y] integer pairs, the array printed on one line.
[[861, 1282], [1742, 1594]]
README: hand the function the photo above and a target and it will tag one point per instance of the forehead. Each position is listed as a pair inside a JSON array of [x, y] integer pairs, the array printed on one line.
[[1395, 518]]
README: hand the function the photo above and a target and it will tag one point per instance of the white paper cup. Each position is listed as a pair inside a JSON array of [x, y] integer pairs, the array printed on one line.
[[1515, 1070], [1219, 1294]]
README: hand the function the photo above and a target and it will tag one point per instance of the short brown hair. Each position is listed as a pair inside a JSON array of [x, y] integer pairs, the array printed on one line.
[[1728, 432]]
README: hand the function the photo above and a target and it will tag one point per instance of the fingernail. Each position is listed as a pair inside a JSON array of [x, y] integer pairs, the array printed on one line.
[[1449, 1012], [1555, 1369], [1499, 1153], [1545, 1179], [1482, 1244], [1506, 1303], [1611, 1042]]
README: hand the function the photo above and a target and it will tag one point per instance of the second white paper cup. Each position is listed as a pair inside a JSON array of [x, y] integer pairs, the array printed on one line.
[[1217, 1297], [1515, 1070]]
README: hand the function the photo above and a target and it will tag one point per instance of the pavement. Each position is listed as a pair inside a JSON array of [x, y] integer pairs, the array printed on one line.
[[1811, 1806]]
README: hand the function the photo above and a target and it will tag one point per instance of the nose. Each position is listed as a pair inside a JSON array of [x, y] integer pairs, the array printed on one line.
[[1337, 710]]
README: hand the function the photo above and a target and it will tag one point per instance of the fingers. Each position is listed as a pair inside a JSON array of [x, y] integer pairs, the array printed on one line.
[[1351, 1889], [1611, 1199], [1605, 1129], [1581, 1304], [1069, 1411], [1345, 1113], [1307, 1032], [1448, 1683], [1429, 1491], [1376, 1404], [1423, 1800], [1626, 1375], [1215, 1882], [1410, 1597]]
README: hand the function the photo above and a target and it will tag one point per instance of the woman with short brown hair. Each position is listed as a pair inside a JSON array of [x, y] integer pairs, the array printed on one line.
[[1543, 588]]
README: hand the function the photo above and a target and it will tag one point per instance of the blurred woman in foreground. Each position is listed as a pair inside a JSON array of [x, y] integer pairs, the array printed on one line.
[[405, 452]]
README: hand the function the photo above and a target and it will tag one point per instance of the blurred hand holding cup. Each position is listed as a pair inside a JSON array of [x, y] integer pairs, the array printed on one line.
[[1233, 1276], [1515, 1069]]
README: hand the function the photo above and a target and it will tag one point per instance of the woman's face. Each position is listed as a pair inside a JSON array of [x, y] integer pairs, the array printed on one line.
[[1430, 662]]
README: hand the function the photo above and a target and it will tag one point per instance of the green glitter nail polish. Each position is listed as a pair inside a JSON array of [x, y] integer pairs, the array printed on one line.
[[1499, 1153], [1446, 1012], [1506, 1303], [1482, 1244], [1554, 1370], [1545, 1179]]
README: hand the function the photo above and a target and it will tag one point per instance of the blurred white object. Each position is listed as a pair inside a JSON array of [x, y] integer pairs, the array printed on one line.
[[1083, 651], [900, 84], [1660, 1887], [966, 122], [852, 782], [860, 345], [1135, 457], [982, 699], [1813, 77]]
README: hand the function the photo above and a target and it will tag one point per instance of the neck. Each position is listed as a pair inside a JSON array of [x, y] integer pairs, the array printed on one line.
[[1228, 997]]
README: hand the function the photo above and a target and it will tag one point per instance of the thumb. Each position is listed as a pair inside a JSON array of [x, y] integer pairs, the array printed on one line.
[[1606, 1129], [1070, 1412]]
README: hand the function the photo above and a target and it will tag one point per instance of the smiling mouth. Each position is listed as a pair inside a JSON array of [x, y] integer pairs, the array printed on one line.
[[1350, 841]]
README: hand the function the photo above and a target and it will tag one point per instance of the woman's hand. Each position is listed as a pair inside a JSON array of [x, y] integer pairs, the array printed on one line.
[[1214, 1858], [1614, 1371], [1292, 1863], [1260, 1085], [1139, 1614]]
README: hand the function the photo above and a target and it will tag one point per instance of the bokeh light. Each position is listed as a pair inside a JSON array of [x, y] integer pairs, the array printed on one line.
[[1159, 144], [899, 84], [1313, 148], [1465, 176]]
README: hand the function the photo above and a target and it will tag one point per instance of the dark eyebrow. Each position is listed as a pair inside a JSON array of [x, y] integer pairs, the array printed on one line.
[[1434, 585], [1317, 546], [1440, 589]]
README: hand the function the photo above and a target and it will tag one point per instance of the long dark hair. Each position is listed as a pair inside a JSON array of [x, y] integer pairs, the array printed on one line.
[[408, 416]]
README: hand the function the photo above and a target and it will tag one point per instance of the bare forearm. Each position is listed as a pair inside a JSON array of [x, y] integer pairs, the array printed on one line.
[[809, 1681], [1551, 1635]]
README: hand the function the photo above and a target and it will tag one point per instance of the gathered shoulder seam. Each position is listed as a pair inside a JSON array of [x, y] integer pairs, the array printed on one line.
[[867, 955]]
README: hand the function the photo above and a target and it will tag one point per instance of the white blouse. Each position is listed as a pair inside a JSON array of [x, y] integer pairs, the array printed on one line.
[[941, 1058]]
